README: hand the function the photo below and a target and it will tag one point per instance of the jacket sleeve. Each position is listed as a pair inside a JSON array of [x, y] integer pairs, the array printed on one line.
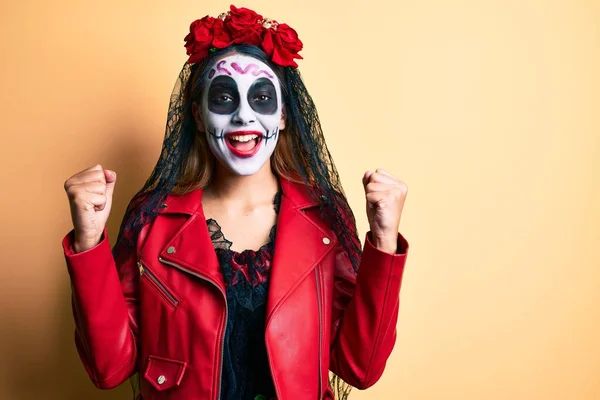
[[365, 313], [105, 307]]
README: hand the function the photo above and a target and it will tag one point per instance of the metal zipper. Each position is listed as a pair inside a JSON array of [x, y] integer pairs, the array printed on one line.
[[160, 286], [320, 330], [205, 278]]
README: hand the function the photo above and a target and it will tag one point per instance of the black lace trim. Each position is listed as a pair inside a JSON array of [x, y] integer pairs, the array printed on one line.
[[246, 371]]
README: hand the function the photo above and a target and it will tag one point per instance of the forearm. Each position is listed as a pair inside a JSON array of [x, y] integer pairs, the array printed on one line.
[[368, 329], [104, 338]]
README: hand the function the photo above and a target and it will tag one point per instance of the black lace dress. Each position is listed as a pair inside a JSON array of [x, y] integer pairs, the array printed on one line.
[[246, 373]]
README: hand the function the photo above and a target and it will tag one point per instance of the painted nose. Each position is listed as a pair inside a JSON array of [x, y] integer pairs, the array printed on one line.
[[244, 115]]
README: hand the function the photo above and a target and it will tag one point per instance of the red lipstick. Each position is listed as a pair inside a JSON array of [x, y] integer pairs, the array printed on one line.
[[243, 149]]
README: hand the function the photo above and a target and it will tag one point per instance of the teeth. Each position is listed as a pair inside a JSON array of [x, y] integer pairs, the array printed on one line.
[[243, 138]]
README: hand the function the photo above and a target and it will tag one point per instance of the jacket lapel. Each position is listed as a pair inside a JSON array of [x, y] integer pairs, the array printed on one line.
[[191, 248], [299, 244]]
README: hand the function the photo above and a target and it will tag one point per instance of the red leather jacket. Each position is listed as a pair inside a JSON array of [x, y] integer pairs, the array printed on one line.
[[164, 314]]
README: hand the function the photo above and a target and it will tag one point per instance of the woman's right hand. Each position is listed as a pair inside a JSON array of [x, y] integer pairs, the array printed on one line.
[[90, 196]]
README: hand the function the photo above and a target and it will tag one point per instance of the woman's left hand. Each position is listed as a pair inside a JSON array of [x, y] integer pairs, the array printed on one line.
[[385, 196]]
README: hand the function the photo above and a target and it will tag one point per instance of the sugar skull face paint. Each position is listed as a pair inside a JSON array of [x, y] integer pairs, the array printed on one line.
[[241, 111]]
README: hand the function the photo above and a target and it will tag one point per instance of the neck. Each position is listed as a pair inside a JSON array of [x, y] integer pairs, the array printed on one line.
[[227, 186]]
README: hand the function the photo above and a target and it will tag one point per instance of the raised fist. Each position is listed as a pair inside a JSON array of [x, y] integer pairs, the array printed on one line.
[[90, 196]]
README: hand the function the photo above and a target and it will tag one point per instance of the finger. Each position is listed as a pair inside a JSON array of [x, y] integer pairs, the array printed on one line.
[[86, 172], [111, 179], [403, 188], [86, 176], [99, 201], [382, 178], [377, 197], [95, 187], [377, 187], [96, 167], [89, 187], [384, 172], [366, 177], [91, 201], [110, 176]]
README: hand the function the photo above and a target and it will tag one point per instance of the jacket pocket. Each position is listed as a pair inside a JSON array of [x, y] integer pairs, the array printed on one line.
[[158, 285], [164, 373]]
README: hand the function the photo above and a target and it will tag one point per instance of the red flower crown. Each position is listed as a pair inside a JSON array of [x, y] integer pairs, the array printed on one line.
[[243, 26]]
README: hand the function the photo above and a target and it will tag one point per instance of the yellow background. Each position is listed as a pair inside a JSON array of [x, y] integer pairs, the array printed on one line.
[[488, 110]]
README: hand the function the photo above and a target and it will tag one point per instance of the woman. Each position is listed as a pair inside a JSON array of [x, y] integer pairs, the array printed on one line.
[[237, 273]]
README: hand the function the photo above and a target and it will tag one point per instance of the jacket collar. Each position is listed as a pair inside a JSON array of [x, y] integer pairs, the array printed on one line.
[[292, 261]]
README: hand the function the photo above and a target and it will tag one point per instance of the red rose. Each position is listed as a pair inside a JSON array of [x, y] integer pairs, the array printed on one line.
[[282, 45], [244, 26], [200, 38], [221, 37], [241, 18]]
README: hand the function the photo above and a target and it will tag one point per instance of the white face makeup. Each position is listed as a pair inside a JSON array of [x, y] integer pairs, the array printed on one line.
[[241, 112]]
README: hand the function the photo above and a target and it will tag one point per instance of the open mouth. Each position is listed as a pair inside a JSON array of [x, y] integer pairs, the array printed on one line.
[[244, 143]]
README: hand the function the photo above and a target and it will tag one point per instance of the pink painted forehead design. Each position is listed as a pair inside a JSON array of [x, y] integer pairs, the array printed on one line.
[[224, 67]]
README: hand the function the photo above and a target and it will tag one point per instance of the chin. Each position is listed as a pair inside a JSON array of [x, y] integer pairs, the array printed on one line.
[[246, 173], [243, 171], [242, 167]]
